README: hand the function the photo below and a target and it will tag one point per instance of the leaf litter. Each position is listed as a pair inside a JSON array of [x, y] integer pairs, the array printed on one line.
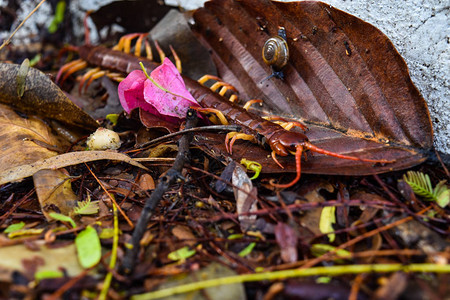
[[332, 236]]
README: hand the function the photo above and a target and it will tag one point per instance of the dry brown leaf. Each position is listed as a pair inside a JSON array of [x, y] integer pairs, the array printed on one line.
[[344, 79], [63, 160], [54, 260], [54, 191], [184, 233], [23, 139], [41, 97], [245, 196]]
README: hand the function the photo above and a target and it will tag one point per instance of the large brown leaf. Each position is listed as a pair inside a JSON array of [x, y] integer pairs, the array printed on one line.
[[344, 79], [40, 97]]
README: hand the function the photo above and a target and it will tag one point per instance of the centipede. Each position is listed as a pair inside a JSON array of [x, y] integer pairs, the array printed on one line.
[[254, 128]]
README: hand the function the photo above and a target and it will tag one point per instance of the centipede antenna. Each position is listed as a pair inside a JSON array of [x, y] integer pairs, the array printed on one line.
[[333, 154]]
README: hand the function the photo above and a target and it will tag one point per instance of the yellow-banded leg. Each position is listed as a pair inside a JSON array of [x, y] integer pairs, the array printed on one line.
[[251, 102], [124, 43], [69, 69], [231, 137], [219, 117], [219, 84], [288, 125]]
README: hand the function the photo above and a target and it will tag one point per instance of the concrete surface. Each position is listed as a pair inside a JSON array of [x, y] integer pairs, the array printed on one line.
[[420, 30]]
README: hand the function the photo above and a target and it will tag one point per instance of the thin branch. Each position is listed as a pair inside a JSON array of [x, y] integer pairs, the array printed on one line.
[[21, 24], [165, 182]]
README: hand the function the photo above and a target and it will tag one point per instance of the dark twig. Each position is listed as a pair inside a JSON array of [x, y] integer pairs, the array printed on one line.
[[165, 182], [196, 129]]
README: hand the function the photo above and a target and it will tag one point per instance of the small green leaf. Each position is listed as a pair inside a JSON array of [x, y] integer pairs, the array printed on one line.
[[86, 207], [88, 247], [22, 77], [106, 233], [23, 232], [59, 16], [181, 254], [420, 183], [63, 218], [113, 118], [35, 60], [247, 250], [323, 279], [14, 227], [235, 236], [327, 219], [443, 198], [320, 249], [47, 274]]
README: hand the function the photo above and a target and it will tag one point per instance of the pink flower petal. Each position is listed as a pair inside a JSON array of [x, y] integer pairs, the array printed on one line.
[[166, 103], [131, 92]]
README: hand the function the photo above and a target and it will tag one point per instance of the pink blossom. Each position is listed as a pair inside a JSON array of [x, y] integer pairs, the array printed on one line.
[[171, 102]]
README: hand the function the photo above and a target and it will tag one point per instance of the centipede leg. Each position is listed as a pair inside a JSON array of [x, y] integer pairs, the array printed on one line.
[[69, 69], [86, 77], [207, 77], [177, 59], [220, 84], [222, 119], [124, 43], [138, 46], [161, 53], [288, 125], [148, 50], [274, 157], [93, 77], [251, 102], [237, 136], [298, 164]]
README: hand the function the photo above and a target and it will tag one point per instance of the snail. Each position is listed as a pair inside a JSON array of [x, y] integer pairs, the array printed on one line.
[[275, 53]]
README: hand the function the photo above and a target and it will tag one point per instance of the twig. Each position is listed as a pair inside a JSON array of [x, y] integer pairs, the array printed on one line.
[[293, 273], [21, 24], [195, 129], [165, 181]]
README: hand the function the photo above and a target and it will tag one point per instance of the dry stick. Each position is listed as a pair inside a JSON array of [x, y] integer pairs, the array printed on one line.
[[21, 24], [164, 183]]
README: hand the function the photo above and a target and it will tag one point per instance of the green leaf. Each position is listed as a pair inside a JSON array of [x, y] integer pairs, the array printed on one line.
[[323, 279], [235, 236], [63, 218], [22, 77], [59, 16], [181, 254], [86, 207], [47, 274], [113, 118], [14, 227], [420, 183], [88, 247], [320, 249], [247, 250], [327, 219], [106, 233], [443, 198]]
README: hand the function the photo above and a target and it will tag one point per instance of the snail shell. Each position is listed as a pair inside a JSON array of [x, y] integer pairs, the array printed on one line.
[[275, 52]]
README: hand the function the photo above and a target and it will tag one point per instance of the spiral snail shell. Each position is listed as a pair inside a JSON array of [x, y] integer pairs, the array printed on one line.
[[275, 52]]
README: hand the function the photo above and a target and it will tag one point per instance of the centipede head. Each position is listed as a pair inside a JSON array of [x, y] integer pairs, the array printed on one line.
[[284, 142]]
